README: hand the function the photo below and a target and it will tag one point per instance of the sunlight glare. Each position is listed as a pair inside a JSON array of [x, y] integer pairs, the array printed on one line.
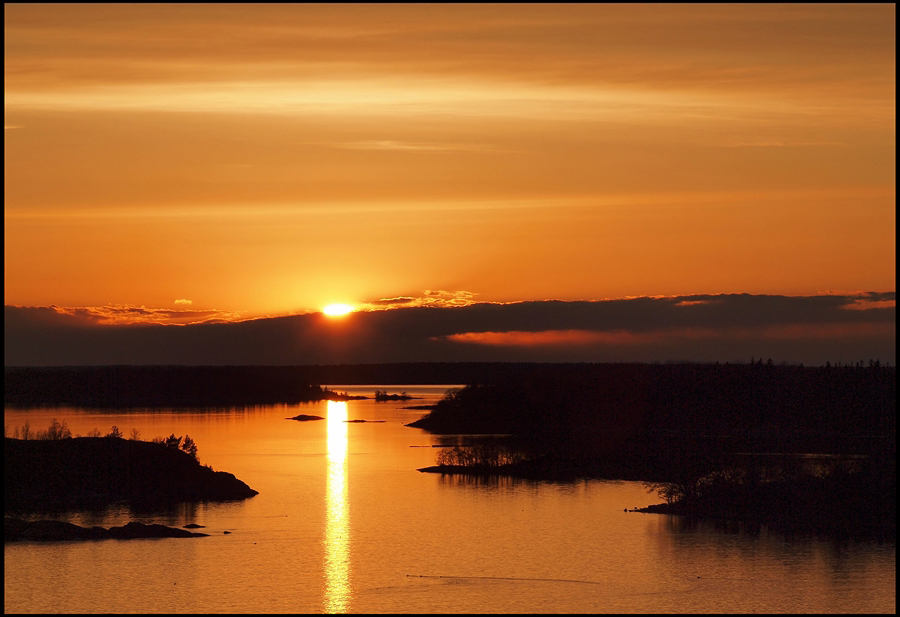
[[336, 310], [337, 524]]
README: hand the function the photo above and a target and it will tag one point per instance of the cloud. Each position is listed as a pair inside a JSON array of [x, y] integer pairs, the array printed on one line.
[[392, 302], [703, 328], [670, 336], [183, 301], [870, 301], [430, 297], [405, 146], [544, 338], [779, 143], [439, 297], [120, 315]]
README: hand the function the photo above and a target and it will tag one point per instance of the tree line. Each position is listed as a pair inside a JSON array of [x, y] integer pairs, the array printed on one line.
[[60, 430]]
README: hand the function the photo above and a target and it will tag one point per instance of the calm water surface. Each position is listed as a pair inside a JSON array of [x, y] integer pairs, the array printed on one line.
[[344, 523]]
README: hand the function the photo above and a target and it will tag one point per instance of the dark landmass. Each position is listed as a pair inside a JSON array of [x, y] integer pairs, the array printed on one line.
[[541, 468], [343, 396], [162, 386], [360, 421], [16, 529], [420, 407], [611, 408], [124, 386], [512, 457], [223, 386], [382, 395], [847, 504], [811, 448], [41, 475], [305, 418]]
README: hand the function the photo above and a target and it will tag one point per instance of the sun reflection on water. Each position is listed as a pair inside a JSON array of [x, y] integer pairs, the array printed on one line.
[[337, 523]]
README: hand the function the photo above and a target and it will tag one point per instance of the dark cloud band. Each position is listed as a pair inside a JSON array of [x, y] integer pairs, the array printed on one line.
[[727, 327]]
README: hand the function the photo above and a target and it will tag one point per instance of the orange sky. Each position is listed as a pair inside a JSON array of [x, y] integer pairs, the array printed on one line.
[[268, 159]]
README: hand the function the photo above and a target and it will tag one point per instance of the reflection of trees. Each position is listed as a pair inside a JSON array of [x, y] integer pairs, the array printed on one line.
[[488, 453], [493, 480]]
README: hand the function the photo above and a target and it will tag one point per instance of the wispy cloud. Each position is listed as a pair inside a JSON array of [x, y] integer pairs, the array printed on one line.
[[780, 143], [869, 301], [670, 337], [435, 298], [440, 297], [393, 302], [111, 315], [405, 146], [391, 96]]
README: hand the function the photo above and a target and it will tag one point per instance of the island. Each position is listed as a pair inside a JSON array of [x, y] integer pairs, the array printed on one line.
[[382, 395], [42, 475], [305, 418]]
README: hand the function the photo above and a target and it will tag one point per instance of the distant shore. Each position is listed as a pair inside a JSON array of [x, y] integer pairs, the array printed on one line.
[[129, 386], [162, 386]]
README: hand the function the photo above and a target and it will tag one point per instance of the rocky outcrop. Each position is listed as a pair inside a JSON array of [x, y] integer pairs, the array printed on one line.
[[94, 471], [16, 529], [305, 418]]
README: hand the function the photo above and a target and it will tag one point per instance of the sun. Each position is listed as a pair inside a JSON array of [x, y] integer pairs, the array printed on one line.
[[336, 310]]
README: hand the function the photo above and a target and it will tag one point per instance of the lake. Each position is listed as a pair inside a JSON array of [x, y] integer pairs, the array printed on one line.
[[344, 523]]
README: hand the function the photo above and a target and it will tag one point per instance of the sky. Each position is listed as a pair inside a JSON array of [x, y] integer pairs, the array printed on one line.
[[207, 164]]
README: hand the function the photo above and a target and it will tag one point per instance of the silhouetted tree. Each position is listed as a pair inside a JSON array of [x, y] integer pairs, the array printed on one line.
[[189, 446], [58, 430], [173, 442]]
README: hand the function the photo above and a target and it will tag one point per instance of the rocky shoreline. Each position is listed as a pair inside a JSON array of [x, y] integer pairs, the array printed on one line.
[[19, 530]]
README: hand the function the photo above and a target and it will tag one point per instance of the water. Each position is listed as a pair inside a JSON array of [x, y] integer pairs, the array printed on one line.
[[345, 523]]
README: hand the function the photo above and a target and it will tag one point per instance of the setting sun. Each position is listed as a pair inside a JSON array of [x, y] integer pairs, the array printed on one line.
[[418, 275], [335, 310]]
